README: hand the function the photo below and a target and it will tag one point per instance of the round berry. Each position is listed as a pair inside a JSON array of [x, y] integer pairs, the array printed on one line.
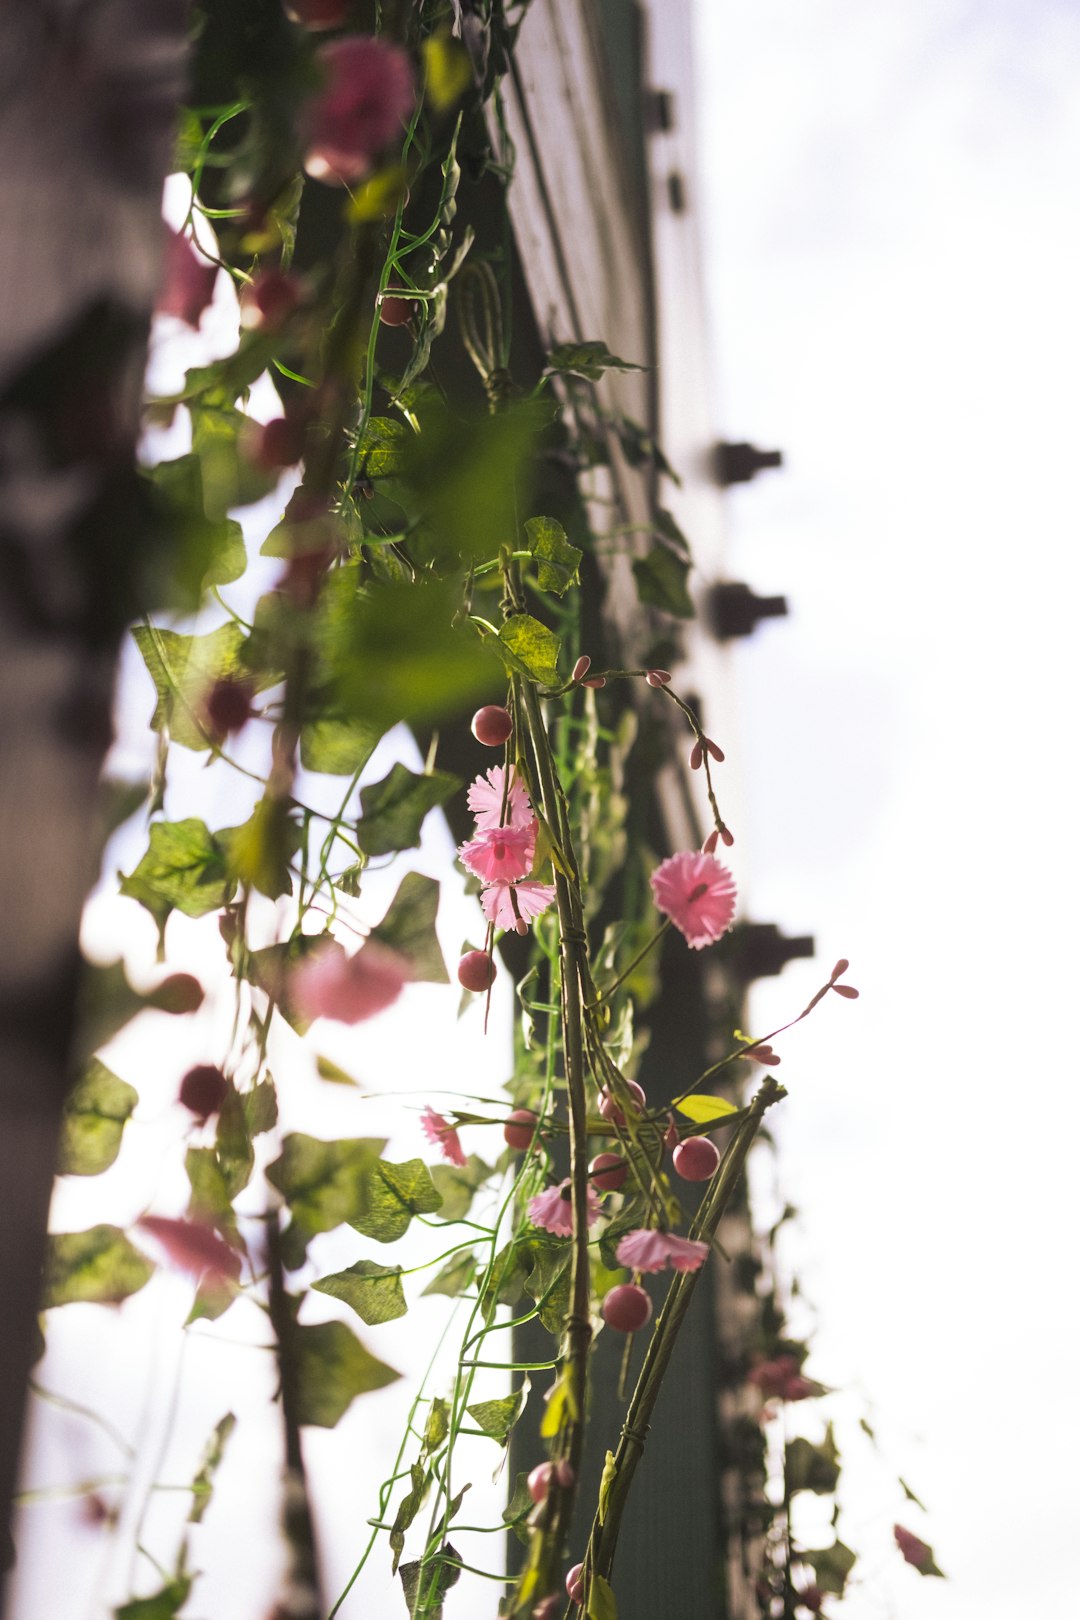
[[203, 1090], [539, 1481], [626, 1308], [575, 1586], [276, 444], [395, 311], [610, 1109], [476, 971], [492, 725], [227, 707], [519, 1130], [607, 1172], [564, 1473], [696, 1159]]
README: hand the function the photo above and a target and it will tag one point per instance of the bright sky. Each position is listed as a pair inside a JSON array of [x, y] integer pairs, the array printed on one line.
[[893, 248]]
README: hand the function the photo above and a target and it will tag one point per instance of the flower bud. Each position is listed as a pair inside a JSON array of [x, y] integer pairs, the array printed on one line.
[[696, 756], [596, 682], [581, 668], [709, 846]]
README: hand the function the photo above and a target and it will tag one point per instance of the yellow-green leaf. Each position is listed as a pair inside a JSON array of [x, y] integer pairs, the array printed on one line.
[[702, 1108]]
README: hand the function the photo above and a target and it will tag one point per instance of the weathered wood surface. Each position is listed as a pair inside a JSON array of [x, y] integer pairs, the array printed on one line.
[[88, 92]]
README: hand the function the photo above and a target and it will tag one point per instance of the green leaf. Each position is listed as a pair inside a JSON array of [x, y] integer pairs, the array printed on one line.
[[99, 1266], [702, 1108], [261, 1106], [393, 810], [408, 1508], [271, 970], [812, 1468], [374, 1292], [202, 1486], [661, 582], [530, 648], [437, 1426], [607, 1480], [589, 360], [466, 477], [904, 1486], [831, 1566], [183, 669], [337, 1076], [205, 547], [548, 1279], [497, 1418], [332, 1369], [520, 1504], [259, 852], [557, 561], [601, 1600], [457, 1185], [184, 870], [324, 1183], [95, 1113], [426, 1585], [211, 1191], [235, 1154], [409, 928], [164, 1605], [382, 449], [394, 1193], [455, 1276], [338, 745]]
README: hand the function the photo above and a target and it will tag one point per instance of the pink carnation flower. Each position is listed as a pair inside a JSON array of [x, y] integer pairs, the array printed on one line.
[[501, 854], [553, 1209], [697, 893], [441, 1134], [504, 904], [329, 984], [367, 95], [646, 1250], [485, 800]]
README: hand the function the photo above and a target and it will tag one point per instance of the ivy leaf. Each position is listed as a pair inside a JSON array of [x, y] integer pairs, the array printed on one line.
[[408, 1508], [426, 1586], [374, 1292], [235, 1153], [437, 1426], [184, 869], [338, 744], [457, 1185], [164, 1605], [666, 526], [324, 1183], [393, 810], [332, 1369], [466, 477], [530, 648], [601, 1600], [271, 970], [205, 547], [393, 1194], [548, 1280], [183, 669], [661, 582], [904, 1486], [409, 928], [327, 1070], [703, 1109], [211, 1192], [497, 1418], [95, 1113], [259, 852], [812, 1468], [588, 360], [518, 1508], [448, 71], [382, 448], [261, 1106], [99, 1266], [455, 1276], [202, 1486], [557, 561], [831, 1566]]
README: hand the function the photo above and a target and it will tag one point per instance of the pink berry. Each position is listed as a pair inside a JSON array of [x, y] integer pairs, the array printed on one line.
[[492, 725], [394, 311], [696, 1159], [227, 707], [276, 444], [626, 1308], [520, 1128], [203, 1090], [539, 1481], [564, 1473], [607, 1172], [575, 1586], [610, 1109], [270, 299], [476, 971]]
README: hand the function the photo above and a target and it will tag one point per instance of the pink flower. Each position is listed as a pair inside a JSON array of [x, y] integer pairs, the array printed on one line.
[[697, 893], [368, 93], [505, 904], [441, 1134], [188, 284], [194, 1248], [645, 1250], [329, 984], [553, 1209], [500, 854], [485, 800]]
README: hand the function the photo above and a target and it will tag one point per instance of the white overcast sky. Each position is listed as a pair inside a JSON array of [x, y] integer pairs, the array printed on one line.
[[888, 202]]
